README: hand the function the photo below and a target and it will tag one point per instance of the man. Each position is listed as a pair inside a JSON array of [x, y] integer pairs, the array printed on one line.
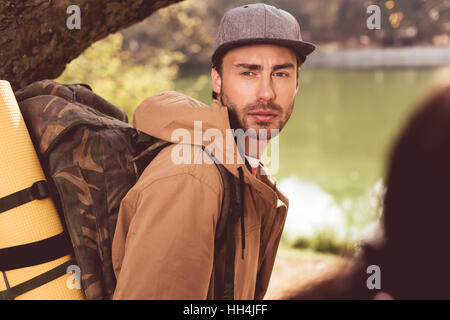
[[164, 242]]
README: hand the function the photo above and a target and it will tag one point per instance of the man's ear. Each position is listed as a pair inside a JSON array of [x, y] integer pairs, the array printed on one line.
[[216, 81]]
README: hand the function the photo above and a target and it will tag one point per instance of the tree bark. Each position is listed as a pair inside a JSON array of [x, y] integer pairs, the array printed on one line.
[[36, 44]]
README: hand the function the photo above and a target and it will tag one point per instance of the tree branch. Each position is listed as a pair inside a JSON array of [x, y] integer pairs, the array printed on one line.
[[36, 43]]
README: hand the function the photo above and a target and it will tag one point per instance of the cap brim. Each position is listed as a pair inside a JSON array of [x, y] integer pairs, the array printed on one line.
[[301, 48]]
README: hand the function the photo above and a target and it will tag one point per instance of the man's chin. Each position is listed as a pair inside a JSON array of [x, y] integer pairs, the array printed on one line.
[[262, 132]]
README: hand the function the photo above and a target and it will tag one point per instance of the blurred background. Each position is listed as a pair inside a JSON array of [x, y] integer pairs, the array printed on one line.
[[355, 93]]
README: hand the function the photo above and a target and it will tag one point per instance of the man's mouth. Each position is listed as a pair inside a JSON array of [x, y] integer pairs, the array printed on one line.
[[263, 115]]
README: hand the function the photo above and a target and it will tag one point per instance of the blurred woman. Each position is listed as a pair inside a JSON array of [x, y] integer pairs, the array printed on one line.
[[414, 254]]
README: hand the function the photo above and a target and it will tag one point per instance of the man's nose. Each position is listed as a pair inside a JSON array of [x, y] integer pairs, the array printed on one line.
[[266, 91]]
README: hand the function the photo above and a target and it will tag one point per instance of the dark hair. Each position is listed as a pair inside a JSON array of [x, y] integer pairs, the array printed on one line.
[[413, 256], [217, 64], [417, 204]]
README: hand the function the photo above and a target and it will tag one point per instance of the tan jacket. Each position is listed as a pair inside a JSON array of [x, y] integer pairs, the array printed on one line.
[[163, 246]]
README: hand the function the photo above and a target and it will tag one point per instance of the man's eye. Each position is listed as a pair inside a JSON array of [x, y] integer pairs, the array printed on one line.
[[247, 73], [281, 74]]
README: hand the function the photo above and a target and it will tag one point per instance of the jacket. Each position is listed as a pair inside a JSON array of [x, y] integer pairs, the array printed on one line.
[[163, 246]]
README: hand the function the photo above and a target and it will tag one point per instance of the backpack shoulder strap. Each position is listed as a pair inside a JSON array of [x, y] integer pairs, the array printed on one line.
[[225, 226], [228, 187], [225, 229]]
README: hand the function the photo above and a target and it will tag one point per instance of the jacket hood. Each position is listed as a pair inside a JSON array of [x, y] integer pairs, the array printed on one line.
[[172, 116], [162, 114]]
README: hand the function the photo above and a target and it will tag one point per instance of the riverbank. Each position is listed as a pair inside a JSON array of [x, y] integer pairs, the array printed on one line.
[[407, 57], [295, 269]]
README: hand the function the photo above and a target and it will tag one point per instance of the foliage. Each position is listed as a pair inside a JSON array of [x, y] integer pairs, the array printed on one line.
[[326, 241], [190, 26], [110, 72], [187, 27]]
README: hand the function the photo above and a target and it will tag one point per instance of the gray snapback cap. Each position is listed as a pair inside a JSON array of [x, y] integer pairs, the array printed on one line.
[[259, 23]]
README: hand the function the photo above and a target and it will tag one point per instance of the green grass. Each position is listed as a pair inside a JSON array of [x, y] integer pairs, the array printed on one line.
[[325, 241]]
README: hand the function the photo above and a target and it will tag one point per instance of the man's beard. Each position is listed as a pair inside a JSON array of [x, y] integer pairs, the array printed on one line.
[[237, 122]]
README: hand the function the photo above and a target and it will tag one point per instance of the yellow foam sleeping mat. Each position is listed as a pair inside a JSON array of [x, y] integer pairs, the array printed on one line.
[[32, 221]]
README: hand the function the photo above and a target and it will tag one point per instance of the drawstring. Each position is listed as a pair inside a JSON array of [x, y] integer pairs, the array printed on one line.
[[241, 181]]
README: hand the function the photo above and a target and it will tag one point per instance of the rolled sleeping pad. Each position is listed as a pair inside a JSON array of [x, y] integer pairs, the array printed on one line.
[[33, 221]]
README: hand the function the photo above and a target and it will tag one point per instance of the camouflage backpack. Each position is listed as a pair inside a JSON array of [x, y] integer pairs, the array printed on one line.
[[91, 157]]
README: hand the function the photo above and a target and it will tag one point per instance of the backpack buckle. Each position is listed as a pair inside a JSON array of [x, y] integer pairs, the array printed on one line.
[[39, 190]]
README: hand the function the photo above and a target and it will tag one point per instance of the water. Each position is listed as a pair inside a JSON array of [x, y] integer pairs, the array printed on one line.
[[335, 147]]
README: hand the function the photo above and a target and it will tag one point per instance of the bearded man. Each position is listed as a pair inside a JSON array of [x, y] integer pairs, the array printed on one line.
[[165, 241]]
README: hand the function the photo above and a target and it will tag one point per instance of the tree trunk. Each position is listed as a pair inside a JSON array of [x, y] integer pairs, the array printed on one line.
[[36, 42]]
